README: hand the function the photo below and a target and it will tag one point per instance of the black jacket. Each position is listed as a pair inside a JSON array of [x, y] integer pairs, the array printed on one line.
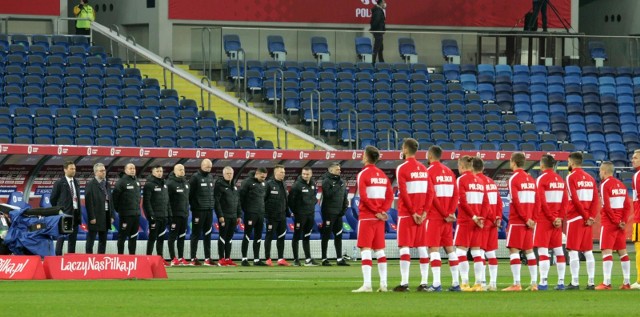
[[302, 197], [227, 199], [61, 197], [126, 196], [334, 195], [378, 19], [252, 195], [275, 200], [155, 199], [94, 200], [178, 189], [201, 192]]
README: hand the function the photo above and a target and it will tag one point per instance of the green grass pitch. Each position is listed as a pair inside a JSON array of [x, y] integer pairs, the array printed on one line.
[[301, 291]]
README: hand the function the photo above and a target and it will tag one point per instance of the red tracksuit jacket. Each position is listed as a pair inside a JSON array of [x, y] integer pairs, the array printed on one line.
[[375, 192]]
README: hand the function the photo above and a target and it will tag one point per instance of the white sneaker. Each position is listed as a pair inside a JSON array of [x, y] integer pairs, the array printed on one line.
[[382, 289], [362, 289], [635, 285]]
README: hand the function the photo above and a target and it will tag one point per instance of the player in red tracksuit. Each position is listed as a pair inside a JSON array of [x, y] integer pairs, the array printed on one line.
[[376, 197], [581, 215], [492, 221], [471, 203], [522, 212], [440, 219], [552, 195], [616, 209], [635, 235], [414, 197]]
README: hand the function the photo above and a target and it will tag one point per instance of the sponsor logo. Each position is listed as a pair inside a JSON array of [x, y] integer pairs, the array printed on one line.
[[226, 154], [453, 155], [198, 154], [99, 265], [248, 154], [89, 151], [170, 153], [112, 151], [9, 268], [141, 152], [29, 149], [59, 149]]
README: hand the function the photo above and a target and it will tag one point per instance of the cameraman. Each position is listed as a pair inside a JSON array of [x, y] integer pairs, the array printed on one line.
[[66, 194], [84, 11]]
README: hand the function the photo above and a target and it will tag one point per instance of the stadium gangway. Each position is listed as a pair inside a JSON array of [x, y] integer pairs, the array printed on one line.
[[98, 28]]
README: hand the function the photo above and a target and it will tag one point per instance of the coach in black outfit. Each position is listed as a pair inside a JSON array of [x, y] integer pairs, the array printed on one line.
[[66, 195], [302, 201], [178, 188], [378, 26], [157, 209], [334, 204], [99, 204], [276, 212], [202, 202], [126, 200], [227, 200], [252, 194]]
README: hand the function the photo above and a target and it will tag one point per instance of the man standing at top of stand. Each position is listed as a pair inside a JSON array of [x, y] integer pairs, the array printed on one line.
[[378, 26], [84, 12], [540, 6]]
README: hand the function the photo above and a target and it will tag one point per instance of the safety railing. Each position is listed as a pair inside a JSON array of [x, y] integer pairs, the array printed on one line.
[[164, 72], [246, 114], [395, 139], [208, 83], [58, 20], [357, 139], [277, 99], [113, 28], [206, 60], [313, 119], [286, 134], [133, 41], [243, 76]]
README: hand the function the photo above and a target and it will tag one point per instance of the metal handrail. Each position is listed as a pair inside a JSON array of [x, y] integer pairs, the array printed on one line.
[[133, 41], [202, 81], [313, 127], [286, 134], [395, 135], [244, 75], [208, 29], [246, 114], [349, 128], [275, 92], [57, 30], [164, 72], [113, 28]]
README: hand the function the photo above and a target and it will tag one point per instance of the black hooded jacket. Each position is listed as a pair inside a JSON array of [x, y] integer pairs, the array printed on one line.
[[275, 200], [252, 195], [155, 199], [227, 199], [201, 186], [302, 197], [334, 195], [178, 189], [126, 196]]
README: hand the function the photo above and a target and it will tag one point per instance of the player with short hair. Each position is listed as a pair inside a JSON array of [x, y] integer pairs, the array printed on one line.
[[616, 208], [492, 221], [552, 195], [471, 202], [581, 216], [440, 219], [376, 198], [414, 198], [522, 193], [635, 236]]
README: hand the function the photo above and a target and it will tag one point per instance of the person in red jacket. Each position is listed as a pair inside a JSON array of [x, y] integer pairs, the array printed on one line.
[[635, 236], [581, 215], [376, 197], [616, 209], [414, 197], [522, 212], [471, 202], [552, 195], [492, 221], [440, 219]]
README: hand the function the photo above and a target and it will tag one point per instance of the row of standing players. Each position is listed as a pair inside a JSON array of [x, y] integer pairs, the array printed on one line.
[[428, 200], [166, 202]]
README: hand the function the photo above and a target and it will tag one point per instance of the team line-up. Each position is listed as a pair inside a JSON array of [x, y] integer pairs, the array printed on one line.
[[427, 203]]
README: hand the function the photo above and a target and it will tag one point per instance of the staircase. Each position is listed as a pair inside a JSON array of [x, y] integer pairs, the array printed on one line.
[[223, 110]]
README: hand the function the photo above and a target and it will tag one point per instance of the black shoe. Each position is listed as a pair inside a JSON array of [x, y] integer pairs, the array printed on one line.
[[422, 288], [326, 263], [259, 263], [245, 263], [343, 262], [296, 262], [591, 287], [401, 288], [310, 263], [572, 287]]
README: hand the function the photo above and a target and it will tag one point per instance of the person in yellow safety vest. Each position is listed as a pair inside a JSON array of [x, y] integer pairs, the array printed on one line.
[[84, 11]]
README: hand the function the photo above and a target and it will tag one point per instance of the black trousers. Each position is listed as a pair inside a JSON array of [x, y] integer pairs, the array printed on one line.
[[303, 228], [201, 222], [226, 236], [102, 241], [177, 231], [331, 224], [378, 47], [278, 228], [81, 31], [157, 235], [128, 231], [540, 6], [73, 236], [253, 225]]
